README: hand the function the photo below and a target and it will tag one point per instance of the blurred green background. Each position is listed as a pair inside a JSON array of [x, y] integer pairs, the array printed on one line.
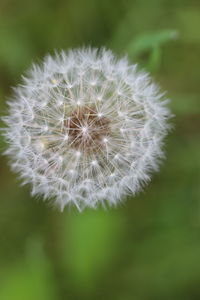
[[149, 247]]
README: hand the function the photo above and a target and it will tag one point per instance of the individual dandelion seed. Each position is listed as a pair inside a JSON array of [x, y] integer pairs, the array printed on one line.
[[85, 128]]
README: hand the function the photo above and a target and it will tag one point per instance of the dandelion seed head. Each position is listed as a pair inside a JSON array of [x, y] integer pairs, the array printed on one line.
[[86, 128]]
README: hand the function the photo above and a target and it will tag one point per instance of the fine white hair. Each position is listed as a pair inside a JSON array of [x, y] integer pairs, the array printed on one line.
[[86, 128]]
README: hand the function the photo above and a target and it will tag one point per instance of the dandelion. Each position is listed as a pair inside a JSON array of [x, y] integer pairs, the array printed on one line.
[[85, 128]]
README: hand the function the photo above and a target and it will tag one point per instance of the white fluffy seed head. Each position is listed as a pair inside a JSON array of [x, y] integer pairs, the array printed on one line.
[[85, 127]]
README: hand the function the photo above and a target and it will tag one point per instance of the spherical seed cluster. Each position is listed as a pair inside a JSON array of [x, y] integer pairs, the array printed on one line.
[[85, 127]]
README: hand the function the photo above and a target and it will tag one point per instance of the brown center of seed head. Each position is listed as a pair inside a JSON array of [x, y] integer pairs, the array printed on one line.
[[86, 129]]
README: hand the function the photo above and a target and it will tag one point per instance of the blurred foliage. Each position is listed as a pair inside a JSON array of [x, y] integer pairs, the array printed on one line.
[[29, 278], [147, 248], [151, 43]]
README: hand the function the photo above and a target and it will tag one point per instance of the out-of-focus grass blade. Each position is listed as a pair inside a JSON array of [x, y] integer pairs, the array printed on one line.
[[154, 59], [150, 41], [91, 245]]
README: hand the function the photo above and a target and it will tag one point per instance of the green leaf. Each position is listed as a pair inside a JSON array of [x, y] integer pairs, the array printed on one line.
[[154, 59], [148, 42]]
